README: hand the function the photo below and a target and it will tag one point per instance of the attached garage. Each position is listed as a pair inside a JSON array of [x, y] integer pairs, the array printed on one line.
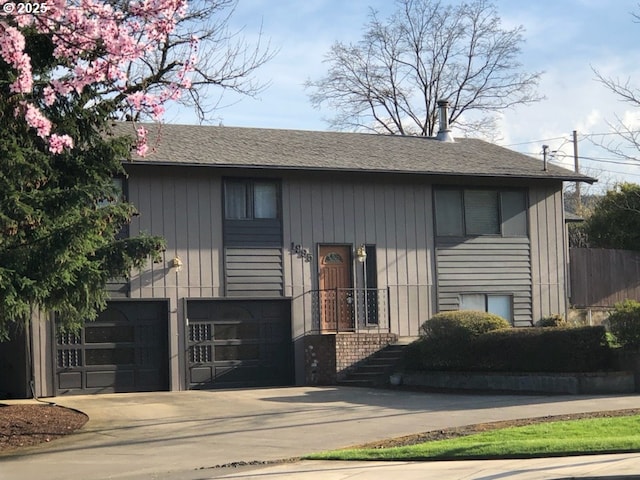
[[239, 343], [124, 350]]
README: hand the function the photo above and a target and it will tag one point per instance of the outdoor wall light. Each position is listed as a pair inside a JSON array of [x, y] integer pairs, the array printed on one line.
[[361, 253], [176, 263]]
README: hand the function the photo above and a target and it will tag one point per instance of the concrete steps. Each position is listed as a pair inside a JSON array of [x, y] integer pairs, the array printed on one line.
[[375, 370]]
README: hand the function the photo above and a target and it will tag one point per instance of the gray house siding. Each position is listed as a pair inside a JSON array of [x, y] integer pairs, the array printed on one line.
[[253, 272], [185, 207], [486, 265], [549, 254], [253, 258], [42, 333]]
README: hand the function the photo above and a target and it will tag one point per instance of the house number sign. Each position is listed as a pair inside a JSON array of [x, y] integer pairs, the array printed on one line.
[[301, 252]]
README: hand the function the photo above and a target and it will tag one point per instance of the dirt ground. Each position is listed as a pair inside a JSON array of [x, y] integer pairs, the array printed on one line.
[[30, 424]]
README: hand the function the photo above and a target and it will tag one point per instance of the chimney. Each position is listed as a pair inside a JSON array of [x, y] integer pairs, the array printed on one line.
[[444, 134]]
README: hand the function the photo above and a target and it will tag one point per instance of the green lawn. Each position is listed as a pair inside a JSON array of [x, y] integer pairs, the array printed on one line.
[[597, 435]]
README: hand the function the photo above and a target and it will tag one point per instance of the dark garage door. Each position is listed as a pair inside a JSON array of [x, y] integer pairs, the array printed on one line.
[[239, 343], [123, 350]]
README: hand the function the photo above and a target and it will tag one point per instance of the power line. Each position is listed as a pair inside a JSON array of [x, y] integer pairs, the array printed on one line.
[[533, 141], [601, 159], [553, 159], [582, 135]]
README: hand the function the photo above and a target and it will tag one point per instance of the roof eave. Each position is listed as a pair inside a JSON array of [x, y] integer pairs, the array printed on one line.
[[564, 178]]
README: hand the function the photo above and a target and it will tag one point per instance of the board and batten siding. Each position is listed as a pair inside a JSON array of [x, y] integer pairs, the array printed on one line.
[[395, 217], [490, 265], [185, 207], [549, 251]]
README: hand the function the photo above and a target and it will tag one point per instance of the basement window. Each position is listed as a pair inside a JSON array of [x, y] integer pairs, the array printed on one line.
[[501, 305]]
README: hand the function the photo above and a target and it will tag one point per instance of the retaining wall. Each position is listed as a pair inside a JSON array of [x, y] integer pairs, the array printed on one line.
[[561, 383]]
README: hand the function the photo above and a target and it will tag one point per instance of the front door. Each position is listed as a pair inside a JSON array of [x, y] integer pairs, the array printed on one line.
[[336, 288]]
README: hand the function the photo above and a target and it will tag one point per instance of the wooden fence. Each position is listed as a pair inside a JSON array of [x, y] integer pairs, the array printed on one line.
[[601, 277]]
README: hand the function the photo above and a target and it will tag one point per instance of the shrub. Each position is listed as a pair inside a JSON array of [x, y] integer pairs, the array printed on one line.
[[583, 349], [554, 320], [447, 336], [461, 325], [624, 323], [414, 355]]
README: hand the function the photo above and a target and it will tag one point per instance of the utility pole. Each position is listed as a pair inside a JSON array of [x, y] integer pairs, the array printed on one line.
[[577, 168]]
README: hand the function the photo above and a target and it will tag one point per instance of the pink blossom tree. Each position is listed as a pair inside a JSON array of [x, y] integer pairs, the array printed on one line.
[[68, 68], [94, 45]]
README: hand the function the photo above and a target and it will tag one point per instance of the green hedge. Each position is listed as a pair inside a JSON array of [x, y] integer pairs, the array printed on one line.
[[624, 323], [549, 349], [528, 349], [447, 337]]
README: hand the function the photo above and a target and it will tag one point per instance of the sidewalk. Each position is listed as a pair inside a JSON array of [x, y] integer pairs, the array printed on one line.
[[182, 435], [609, 467]]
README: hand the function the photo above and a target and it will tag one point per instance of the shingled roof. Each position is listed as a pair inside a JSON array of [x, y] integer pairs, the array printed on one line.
[[337, 151]]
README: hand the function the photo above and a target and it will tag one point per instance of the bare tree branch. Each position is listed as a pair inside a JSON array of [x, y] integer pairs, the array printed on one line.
[[626, 141], [391, 80], [225, 60]]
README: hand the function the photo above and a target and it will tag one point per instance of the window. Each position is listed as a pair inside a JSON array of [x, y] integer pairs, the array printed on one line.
[[250, 199], [118, 193], [481, 212], [370, 275], [474, 212], [501, 305]]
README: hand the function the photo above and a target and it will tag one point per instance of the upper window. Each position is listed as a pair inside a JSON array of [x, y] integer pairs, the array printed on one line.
[[250, 199], [473, 212]]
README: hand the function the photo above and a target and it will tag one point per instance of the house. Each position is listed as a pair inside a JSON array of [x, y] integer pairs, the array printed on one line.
[[291, 255]]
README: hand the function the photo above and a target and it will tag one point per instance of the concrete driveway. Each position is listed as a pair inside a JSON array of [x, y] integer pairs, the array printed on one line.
[[183, 435]]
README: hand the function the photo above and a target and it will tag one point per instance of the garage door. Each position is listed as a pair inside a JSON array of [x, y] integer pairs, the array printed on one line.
[[239, 343], [123, 350]]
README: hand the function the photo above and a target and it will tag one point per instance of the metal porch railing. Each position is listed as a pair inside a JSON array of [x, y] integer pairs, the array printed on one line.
[[349, 310]]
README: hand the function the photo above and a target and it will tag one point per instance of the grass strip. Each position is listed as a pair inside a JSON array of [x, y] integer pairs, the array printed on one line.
[[573, 437]]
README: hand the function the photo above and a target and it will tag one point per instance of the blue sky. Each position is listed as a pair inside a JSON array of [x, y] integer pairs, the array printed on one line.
[[564, 38]]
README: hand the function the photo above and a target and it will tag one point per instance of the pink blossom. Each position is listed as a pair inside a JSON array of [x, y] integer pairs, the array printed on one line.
[[35, 119], [57, 143], [49, 95], [141, 145], [157, 111], [136, 100], [76, 28]]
